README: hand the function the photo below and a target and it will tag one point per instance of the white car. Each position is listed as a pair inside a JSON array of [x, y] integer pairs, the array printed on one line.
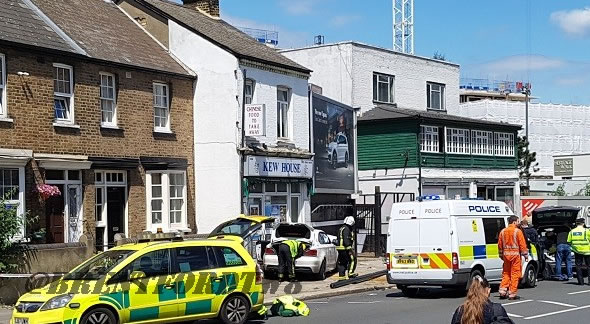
[[338, 151], [319, 259]]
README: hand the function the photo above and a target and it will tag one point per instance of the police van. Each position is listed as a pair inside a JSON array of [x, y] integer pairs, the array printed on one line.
[[446, 243]]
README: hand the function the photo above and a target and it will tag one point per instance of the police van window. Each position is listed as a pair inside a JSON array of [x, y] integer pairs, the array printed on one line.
[[153, 264], [192, 258], [492, 228], [227, 257]]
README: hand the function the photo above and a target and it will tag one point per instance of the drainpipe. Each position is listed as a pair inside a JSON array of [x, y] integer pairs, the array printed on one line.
[[242, 143], [419, 159]]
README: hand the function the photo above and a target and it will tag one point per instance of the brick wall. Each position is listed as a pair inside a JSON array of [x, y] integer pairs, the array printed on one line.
[[30, 105], [209, 6]]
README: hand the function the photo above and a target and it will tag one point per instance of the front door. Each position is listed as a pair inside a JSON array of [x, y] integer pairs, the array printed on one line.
[[115, 212], [54, 211]]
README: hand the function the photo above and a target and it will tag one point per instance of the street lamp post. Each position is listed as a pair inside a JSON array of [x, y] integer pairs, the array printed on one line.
[[527, 92]]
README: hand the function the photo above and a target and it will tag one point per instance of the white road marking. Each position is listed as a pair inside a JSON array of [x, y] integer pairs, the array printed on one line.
[[557, 303], [316, 302], [369, 302], [557, 312], [579, 292], [518, 302], [514, 315]]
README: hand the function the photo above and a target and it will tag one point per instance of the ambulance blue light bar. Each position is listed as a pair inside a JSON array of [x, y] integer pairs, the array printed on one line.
[[429, 197]]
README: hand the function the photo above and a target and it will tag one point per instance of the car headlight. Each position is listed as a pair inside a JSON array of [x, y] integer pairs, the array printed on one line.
[[57, 302]]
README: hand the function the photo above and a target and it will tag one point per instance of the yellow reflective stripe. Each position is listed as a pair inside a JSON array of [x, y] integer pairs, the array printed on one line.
[[492, 251], [466, 252]]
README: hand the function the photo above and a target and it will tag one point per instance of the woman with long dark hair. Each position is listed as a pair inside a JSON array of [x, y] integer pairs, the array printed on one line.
[[477, 308]]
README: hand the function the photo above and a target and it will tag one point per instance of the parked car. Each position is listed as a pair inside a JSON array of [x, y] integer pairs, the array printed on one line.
[[320, 259], [254, 230], [148, 266], [338, 151]]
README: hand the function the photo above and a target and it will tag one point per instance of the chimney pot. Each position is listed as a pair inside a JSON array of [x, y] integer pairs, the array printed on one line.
[[210, 7]]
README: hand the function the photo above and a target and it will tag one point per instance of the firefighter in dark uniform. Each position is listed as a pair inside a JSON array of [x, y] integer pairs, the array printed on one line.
[[346, 247], [288, 251]]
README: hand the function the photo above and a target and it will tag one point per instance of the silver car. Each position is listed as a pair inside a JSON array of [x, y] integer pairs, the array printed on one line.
[[318, 260]]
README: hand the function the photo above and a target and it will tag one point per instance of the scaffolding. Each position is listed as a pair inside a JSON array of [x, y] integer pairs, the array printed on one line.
[[263, 36]]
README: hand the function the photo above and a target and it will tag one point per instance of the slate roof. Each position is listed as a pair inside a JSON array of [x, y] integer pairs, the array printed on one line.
[[390, 113], [20, 24], [224, 35], [96, 29]]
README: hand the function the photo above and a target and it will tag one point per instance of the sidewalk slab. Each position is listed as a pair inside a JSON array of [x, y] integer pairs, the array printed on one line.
[[309, 289], [5, 314]]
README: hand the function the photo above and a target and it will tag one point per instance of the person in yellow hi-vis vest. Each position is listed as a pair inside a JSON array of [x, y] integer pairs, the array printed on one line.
[[345, 247], [288, 251], [579, 239]]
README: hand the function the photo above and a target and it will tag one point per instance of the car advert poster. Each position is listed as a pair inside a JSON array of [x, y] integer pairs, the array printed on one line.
[[333, 145]]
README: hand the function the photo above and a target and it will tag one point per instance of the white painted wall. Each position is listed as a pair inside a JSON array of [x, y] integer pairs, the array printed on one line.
[[554, 129], [216, 110], [345, 73]]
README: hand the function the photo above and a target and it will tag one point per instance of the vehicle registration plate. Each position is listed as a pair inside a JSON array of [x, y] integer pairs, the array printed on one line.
[[20, 320], [406, 261]]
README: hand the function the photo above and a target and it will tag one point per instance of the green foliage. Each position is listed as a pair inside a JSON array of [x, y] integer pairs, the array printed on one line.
[[439, 56], [11, 225], [527, 160], [584, 191], [560, 191]]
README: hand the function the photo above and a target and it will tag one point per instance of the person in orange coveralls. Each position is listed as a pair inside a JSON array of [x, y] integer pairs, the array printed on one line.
[[511, 245]]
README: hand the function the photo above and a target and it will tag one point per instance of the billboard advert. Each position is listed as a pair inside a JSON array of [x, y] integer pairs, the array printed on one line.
[[334, 146]]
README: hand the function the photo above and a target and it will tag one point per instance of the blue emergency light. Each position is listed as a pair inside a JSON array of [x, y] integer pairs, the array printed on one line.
[[429, 197]]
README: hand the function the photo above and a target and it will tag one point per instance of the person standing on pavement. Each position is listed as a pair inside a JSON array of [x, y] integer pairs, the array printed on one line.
[[288, 252], [345, 247], [477, 308], [579, 239], [511, 245], [564, 253]]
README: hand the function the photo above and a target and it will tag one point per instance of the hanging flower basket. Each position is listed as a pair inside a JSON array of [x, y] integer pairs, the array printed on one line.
[[47, 191]]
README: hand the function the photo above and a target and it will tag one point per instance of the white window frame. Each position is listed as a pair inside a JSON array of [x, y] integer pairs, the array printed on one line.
[[249, 97], [67, 97], [390, 87], [453, 146], [504, 144], [103, 98], [20, 203], [429, 140], [166, 128], [166, 225], [441, 94], [283, 112], [482, 142], [3, 105]]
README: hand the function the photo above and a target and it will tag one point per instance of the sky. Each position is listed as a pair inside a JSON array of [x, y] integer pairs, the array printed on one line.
[[546, 42]]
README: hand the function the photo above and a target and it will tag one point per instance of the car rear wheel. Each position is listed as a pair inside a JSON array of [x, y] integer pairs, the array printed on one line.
[[530, 276], [321, 275], [235, 310], [408, 292], [334, 160], [99, 316], [474, 274]]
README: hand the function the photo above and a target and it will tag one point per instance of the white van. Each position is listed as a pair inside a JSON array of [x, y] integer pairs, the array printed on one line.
[[446, 243]]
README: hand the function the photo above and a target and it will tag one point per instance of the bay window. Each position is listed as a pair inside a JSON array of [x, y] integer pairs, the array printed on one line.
[[481, 142], [166, 200], [429, 141], [457, 141], [504, 144]]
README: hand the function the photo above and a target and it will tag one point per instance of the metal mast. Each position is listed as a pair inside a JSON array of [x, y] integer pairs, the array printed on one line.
[[403, 26]]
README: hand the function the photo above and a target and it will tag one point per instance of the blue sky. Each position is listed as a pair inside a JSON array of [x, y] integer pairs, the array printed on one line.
[[489, 39]]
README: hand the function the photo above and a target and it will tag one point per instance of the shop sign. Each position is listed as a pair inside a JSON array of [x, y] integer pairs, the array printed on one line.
[[264, 166], [563, 167], [255, 117]]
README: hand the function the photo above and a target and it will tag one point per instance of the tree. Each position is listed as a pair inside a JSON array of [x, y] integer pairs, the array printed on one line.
[[527, 160], [559, 191], [439, 56]]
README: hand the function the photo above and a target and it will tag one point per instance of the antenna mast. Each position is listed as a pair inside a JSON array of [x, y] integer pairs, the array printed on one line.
[[403, 26]]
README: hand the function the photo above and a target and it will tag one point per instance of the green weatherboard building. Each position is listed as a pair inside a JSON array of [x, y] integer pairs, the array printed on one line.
[[434, 153]]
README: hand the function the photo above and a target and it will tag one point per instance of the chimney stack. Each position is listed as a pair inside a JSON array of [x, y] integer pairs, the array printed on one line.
[[210, 7]]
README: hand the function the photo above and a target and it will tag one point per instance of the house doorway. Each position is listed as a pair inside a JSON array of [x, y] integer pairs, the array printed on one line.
[[111, 207], [64, 212]]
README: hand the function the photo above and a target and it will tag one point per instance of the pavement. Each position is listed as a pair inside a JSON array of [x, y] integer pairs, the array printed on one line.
[[549, 303]]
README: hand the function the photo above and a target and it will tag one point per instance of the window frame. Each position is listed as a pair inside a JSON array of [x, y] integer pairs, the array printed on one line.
[[249, 98], [482, 148], [104, 123], [67, 97], [441, 94], [283, 120], [166, 225], [390, 87], [465, 148], [433, 146], [507, 147], [20, 202], [3, 96], [176, 263], [166, 128]]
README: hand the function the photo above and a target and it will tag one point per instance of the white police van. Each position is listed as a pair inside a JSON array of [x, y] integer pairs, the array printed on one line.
[[446, 243]]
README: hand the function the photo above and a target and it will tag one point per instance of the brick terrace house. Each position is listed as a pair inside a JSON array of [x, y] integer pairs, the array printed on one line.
[[92, 104]]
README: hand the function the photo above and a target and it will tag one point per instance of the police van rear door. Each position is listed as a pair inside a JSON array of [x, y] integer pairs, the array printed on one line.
[[435, 241], [404, 237]]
